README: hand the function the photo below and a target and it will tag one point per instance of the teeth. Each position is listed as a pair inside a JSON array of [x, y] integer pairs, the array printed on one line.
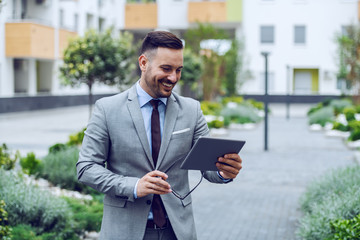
[[167, 85]]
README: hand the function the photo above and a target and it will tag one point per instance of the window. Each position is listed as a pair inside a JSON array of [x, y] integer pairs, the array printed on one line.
[[61, 18], [299, 34], [267, 34], [101, 24]]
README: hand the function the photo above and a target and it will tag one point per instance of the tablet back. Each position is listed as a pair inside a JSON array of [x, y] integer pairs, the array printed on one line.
[[204, 154]]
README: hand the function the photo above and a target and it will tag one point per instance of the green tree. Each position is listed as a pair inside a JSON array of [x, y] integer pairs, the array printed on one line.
[[99, 57], [191, 73], [220, 69], [349, 56]]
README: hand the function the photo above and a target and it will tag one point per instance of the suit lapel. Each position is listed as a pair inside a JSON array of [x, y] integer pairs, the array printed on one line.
[[171, 114], [136, 115]]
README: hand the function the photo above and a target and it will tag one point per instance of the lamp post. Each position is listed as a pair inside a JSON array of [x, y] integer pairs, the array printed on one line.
[[287, 92], [266, 101]]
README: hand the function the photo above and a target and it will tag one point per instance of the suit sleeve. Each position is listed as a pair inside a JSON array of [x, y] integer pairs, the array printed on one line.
[[203, 130], [92, 158]]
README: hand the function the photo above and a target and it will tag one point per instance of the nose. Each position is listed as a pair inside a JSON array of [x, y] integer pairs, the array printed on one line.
[[172, 77]]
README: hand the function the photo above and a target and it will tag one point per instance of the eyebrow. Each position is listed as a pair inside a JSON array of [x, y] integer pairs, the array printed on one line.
[[170, 66]]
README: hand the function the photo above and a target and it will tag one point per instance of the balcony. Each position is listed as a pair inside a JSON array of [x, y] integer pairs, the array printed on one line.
[[64, 37], [215, 12], [29, 40], [141, 15]]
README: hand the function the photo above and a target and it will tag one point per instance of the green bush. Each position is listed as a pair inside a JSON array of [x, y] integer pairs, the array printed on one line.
[[27, 204], [255, 104], [30, 164], [348, 229], [322, 116], [5, 230], [235, 99], [349, 113], [6, 160], [334, 196], [216, 124], [340, 104], [87, 215], [77, 138], [241, 114], [211, 108], [341, 127], [354, 127], [315, 108], [60, 169], [58, 147]]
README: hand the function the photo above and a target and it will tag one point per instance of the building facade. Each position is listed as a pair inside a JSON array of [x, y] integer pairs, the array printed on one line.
[[298, 34]]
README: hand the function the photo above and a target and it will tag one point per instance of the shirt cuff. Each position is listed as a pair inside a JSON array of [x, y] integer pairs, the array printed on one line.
[[225, 180], [135, 189]]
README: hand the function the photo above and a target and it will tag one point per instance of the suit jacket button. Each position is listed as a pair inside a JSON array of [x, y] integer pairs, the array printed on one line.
[[148, 202]]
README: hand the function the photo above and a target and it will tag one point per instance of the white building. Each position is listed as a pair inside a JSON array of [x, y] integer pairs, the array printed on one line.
[[299, 34], [33, 35], [300, 37]]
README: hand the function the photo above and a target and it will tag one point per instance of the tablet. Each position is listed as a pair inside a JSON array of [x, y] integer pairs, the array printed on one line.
[[204, 154]]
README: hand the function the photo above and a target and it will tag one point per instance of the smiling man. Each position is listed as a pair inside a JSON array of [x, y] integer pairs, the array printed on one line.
[[135, 143]]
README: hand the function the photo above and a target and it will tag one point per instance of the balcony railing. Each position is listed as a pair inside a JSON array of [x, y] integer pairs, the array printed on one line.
[[140, 15], [29, 40]]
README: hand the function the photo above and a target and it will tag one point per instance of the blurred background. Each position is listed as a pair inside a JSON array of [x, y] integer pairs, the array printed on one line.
[[306, 60]]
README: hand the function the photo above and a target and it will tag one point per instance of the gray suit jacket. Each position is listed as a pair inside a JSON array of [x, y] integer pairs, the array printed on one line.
[[115, 154]]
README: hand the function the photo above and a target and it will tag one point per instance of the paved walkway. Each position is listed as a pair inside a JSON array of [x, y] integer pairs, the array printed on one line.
[[261, 204]]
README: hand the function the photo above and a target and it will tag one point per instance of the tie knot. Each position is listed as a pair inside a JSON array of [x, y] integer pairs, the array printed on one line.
[[154, 103]]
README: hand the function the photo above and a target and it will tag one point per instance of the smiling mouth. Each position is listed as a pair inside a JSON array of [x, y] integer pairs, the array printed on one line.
[[167, 85]]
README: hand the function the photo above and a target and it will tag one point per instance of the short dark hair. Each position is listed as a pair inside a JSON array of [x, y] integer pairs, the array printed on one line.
[[156, 39]]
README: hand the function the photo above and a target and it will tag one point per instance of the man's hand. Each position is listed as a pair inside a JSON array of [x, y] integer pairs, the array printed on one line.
[[153, 183], [229, 165]]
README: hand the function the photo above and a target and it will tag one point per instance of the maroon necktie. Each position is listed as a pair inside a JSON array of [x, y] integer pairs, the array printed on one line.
[[157, 205]]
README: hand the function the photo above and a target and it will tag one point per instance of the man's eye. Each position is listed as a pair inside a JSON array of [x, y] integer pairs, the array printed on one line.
[[167, 69]]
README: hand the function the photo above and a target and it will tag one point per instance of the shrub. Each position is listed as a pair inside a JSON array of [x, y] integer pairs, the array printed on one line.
[[60, 169], [211, 108], [340, 104], [241, 114], [334, 196], [256, 104], [322, 116], [58, 147], [5, 229], [348, 229], [237, 100], [354, 126], [27, 204], [87, 215], [6, 160], [349, 113], [216, 124], [30, 164], [341, 127], [315, 108], [77, 138]]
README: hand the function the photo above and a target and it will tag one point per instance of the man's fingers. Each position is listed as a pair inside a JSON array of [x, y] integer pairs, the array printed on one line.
[[229, 166], [157, 173], [153, 183]]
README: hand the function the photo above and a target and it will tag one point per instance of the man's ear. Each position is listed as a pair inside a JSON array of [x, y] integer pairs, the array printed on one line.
[[143, 61]]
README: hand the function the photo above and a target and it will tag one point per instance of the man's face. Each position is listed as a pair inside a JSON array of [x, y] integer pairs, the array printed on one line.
[[161, 70]]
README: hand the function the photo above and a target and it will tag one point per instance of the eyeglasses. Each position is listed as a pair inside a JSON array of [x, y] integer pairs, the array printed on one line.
[[183, 197]]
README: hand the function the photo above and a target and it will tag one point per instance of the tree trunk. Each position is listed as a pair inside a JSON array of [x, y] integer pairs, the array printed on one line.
[[90, 99]]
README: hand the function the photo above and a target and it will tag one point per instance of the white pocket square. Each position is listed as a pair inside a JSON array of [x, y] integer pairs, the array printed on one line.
[[181, 131]]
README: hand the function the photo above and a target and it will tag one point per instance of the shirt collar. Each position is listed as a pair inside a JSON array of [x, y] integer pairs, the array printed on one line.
[[144, 97]]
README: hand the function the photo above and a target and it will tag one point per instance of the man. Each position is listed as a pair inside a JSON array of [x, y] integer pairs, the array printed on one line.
[[135, 143]]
